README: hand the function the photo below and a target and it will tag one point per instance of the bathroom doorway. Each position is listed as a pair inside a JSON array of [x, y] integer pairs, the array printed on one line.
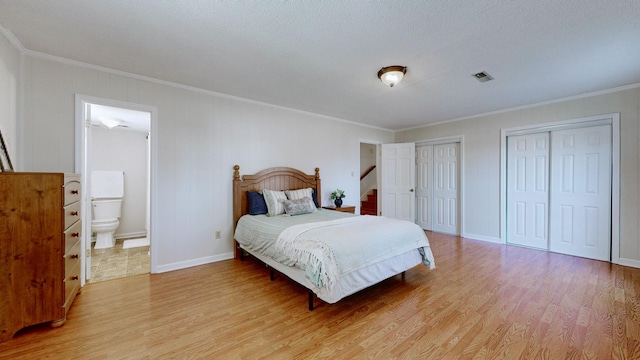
[[117, 136]]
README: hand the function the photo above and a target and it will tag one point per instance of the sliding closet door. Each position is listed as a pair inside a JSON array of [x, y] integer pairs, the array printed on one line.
[[581, 192], [527, 189], [445, 188], [424, 186]]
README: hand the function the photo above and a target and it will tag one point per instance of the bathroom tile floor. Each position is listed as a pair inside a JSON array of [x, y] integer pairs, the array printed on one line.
[[116, 262]]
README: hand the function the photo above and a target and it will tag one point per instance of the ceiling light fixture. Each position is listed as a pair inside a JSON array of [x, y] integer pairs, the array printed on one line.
[[392, 75]]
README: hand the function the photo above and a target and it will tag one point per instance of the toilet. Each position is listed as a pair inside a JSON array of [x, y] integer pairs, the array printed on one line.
[[107, 190]]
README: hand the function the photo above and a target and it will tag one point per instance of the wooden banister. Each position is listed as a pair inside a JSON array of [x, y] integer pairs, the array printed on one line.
[[367, 172]]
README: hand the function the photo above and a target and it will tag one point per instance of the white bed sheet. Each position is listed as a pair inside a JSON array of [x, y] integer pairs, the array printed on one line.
[[348, 283], [256, 235]]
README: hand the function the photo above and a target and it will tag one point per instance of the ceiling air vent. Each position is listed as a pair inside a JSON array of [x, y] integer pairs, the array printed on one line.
[[483, 76]]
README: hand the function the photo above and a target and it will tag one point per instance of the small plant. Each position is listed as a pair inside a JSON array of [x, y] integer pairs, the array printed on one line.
[[338, 194]]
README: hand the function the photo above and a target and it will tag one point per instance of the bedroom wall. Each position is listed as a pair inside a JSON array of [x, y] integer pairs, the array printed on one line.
[[200, 137], [482, 159], [9, 96]]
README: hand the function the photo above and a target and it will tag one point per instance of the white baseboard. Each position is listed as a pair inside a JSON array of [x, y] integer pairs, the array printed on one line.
[[194, 262], [629, 262], [491, 239]]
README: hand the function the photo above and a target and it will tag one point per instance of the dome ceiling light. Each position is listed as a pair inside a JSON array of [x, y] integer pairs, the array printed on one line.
[[392, 75]]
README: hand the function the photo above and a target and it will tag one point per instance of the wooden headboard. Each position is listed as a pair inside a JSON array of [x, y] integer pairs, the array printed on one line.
[[276, 178]]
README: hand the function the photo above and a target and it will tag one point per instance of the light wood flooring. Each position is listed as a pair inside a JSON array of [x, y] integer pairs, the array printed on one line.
[[483, 301]]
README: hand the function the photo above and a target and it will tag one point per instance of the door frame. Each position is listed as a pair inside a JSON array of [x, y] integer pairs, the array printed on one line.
[[612, 119], [448, 140], [378, 145], [81, 146]]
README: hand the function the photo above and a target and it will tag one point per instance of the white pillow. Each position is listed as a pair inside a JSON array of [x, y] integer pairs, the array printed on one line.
[[301, 194], [274, 201], [299, 206]]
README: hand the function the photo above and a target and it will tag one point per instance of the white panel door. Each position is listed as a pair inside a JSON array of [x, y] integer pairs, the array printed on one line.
[[424, 188], [398, 181], [528, 190], [445, 188], [580, 209]]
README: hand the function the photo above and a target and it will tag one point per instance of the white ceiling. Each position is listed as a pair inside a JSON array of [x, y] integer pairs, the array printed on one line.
[[323, 56], [127, 119]]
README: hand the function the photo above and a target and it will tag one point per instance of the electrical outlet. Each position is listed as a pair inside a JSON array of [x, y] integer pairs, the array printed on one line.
[[218, 234]]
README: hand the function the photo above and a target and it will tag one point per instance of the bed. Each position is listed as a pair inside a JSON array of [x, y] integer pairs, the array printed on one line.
[[332, 254]]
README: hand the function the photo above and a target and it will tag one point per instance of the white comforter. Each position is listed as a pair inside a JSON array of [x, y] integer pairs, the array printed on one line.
[[329, 249]]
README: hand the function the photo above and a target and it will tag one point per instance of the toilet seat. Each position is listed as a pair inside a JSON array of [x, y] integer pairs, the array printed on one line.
[[104, 221]]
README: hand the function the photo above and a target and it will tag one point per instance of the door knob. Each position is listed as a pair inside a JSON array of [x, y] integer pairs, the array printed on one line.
[[410, 190]]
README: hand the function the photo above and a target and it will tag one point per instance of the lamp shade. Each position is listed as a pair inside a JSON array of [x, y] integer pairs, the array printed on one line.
[[392, 75]]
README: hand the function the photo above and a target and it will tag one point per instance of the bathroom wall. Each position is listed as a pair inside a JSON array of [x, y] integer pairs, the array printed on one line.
[[124, 150]]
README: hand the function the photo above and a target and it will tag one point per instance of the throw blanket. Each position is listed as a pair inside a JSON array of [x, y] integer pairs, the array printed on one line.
[[328, 249]]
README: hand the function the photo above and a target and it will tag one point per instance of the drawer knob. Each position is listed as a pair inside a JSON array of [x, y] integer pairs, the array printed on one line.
[[74, 277], [74, 213], [74, 192], [75, 234], [74, 256]]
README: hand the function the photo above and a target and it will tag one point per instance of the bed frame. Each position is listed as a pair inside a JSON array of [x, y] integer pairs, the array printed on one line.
[[276, 178]]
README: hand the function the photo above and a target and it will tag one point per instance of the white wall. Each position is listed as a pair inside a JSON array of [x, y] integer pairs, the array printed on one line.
[[124, 150], [200, 137], [482, 159], [9, 96]]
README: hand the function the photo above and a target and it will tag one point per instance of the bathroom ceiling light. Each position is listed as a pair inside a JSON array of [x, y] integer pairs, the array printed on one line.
[[392, 75], [109, 122]]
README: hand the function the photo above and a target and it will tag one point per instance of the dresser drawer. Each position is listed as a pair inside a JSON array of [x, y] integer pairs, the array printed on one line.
[[71, 258], [72, 235], [71, 286], [71, 214], [71, 192]]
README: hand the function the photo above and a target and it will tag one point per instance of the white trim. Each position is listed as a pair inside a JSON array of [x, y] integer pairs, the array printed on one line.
[[629, 262], [490, 239], [612, 119], [80, 103], [195, 262], [13, 40], [447, 140]]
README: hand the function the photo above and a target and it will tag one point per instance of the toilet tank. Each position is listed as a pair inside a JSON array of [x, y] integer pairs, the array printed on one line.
[[106, 208]]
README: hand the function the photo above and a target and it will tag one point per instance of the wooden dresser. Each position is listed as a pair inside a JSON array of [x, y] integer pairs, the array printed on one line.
[[40, 232]]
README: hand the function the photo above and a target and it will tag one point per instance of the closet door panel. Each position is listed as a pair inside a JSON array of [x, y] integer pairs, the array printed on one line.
[[581, 192], [527, 190]]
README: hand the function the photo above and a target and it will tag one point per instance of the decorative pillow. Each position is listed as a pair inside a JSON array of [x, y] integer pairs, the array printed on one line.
[[256, 203], [302, 193], [314, 196], [274, 201], [299, 206]]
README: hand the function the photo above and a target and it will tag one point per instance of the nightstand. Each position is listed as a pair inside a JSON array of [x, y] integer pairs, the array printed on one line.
[[347, 209]]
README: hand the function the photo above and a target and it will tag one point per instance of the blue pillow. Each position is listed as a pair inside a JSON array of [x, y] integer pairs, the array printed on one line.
[[314, 196], [256, 203]]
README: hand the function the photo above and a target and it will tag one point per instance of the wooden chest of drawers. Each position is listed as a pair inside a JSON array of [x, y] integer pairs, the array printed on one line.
[[40, 233]]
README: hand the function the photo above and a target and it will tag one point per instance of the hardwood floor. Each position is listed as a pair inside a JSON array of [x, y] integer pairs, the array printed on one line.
[[483, 301]]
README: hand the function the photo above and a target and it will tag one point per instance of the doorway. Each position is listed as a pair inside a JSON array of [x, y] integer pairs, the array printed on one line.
[[117, 137]]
